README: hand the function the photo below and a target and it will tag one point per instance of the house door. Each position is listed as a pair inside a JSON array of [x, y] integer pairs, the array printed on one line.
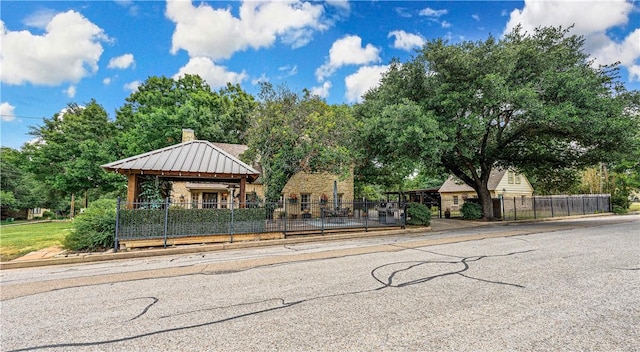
[[210, 200]]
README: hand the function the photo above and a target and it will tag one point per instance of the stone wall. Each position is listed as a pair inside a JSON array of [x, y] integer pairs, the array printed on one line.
[[318, 184]]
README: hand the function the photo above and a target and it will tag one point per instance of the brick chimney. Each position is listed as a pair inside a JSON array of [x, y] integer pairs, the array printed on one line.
[[188, 135]]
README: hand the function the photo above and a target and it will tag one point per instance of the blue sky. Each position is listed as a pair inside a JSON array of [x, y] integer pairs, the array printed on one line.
[[56, 52]]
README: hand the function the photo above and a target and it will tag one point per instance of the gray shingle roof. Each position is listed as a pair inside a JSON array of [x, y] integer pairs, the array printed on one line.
[[195, 158]]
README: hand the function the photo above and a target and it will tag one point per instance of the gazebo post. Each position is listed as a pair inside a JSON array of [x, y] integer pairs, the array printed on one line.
[[132, 190], [243, 192]]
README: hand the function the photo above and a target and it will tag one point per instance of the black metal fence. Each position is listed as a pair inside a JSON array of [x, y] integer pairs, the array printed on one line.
[[164, 220], [539, 207]]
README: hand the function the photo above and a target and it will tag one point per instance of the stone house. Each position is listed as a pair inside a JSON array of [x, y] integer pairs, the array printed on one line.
[[502, 183], [206, 174]]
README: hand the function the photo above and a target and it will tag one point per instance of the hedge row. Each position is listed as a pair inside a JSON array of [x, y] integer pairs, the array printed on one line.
[[149, 223]]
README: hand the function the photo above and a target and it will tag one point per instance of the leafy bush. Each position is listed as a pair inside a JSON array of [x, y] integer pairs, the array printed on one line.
[[94, 229], [418, 214], [620, 202], [471, 211]]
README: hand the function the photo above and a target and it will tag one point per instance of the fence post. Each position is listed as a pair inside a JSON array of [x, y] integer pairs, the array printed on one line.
[[584, 210], [366, 216], [404, 223], [322, 221], [115, 240], [166, 220], [551, 202], [286, 217], [535, 215], [233, 191], [515, 210]]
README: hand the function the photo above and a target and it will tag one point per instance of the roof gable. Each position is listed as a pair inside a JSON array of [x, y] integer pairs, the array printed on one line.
[[193, 157], [453, 184]]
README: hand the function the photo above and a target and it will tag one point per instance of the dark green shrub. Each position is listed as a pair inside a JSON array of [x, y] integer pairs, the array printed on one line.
[[418, 214], [620, 202], [619, 210], [471, 211], [95, 228], [48, 215]]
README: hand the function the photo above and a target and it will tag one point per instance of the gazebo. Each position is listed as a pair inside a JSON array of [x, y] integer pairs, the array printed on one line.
[[192, 161]]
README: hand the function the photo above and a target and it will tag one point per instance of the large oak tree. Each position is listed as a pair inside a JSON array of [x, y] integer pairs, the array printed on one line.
[[528, 101]]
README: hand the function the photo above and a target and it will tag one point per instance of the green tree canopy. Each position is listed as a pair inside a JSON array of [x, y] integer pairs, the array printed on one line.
[[19, 188], [527, 101], [70, 148], [153, 116], [291, 133]]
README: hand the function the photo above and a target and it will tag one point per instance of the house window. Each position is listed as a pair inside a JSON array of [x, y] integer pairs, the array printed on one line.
[[511, 177], [456, 200], [523, 198], [37, 211], [194, 200], [210, 200], [517, 176], [305, 201]]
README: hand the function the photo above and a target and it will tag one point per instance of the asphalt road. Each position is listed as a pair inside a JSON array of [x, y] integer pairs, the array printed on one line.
[[550, 286]]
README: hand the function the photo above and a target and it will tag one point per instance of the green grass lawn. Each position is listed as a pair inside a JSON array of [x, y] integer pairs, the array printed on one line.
[[635, 206], [18, 240]]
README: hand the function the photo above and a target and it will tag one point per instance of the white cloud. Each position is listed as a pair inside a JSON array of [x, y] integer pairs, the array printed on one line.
[[347, 51], [130, 5], [323, 90], [67, 52], [596, 17], [429, 12], [71, 91], [634, 72], [106, 81], [476, 17], [216, 76], [132, 86], [342, 4], [364, 79], [591, 21], [403, 12], [406, 41], [263, 78], [215, 33], [121, 62], [7, 112], [606, 51], [40, 18], [289, 70], [445, 24]]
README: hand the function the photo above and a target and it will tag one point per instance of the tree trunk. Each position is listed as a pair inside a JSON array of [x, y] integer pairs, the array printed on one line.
[[484, 196]]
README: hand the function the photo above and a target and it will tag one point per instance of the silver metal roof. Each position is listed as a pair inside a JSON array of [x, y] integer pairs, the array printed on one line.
[[188, 158]]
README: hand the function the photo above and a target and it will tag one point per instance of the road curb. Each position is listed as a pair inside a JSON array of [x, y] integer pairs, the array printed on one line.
[[189, 249]]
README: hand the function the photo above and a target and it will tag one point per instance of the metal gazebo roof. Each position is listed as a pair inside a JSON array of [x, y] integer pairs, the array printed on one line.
[[188, 159]]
